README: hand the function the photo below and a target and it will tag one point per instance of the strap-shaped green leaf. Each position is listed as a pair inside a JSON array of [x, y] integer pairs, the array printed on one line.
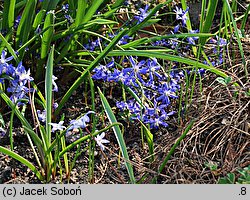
[[118, 135], [22, 160], [48, 93], [92, 10], [84, 74], [9, 14], [25, 25], [80, 14], [167, 57], [212, 5], [47, 35]]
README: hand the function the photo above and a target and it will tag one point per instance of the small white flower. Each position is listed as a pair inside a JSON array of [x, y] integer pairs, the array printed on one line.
[[99, 140], [57, 126], [55, 89]]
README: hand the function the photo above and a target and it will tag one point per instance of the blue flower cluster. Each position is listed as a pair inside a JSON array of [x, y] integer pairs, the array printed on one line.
[[151, 83], [155, 87], [15, 77]]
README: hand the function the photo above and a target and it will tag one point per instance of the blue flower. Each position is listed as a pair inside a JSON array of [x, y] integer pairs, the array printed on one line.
[[65, 7], [191, 40], [134, 71], [102, 72], [3, 59], [122, 105], [220, 41], [156, 121], [18, 90], [176, 28], [116, 76], [22, 74], [17, 21], [123, 40], [152, 69], [41, 115], [55, 105], [92, 45], [143, 14], [181, 15], [166, 92], [81, 122]]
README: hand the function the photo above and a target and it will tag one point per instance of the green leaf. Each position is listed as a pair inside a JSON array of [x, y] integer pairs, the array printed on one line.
[[221, 80], [150, 141], [17, 112], [22, 160], [48, 93], [25, 25], [243, 23], [117, 3], [47, 35], [118, 135], [39, 18], [212, 5], [53, 4], [229, 10], [92, 10], [224, 81], [223, 181], [8, 14], [9, 47], [187, 61], [2, 123], [151, 13], [84, 74], [80, 14], [231, 178], [46, 43], [166, 159], [211, 165]]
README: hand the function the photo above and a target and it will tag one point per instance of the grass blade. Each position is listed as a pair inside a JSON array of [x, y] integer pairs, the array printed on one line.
[[8, 15], [48, 97], [17, 112], [118, 134], [39, 18]]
